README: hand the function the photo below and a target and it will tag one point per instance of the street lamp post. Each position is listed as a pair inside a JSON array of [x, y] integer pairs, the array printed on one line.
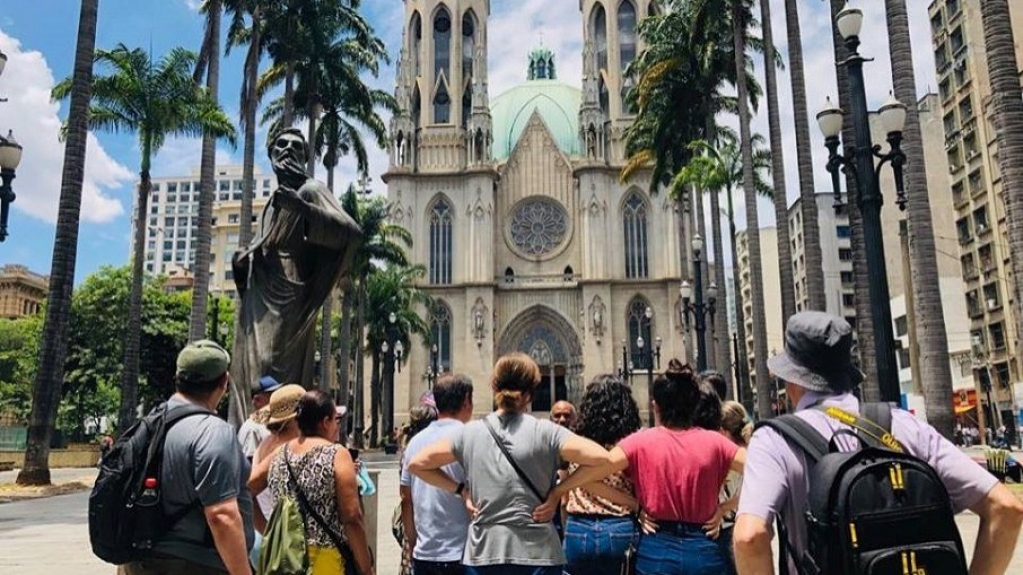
[[10, 157], [699, 309], [647, 357], [860, 158], [393, 350], [432, 370]]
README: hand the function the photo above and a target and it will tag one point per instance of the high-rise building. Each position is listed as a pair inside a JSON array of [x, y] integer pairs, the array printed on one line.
[[21, 291], [836, 260], [172, 224], [771, 290], [975, 191], [531, 242]]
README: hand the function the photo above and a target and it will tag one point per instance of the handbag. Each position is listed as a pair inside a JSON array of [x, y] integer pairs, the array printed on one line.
[[308, 510]]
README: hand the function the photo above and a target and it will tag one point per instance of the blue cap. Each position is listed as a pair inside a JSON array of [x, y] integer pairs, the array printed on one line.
[[267, 384]]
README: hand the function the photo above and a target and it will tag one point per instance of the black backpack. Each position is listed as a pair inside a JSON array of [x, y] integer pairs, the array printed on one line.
[[126, 515], [873, 511]]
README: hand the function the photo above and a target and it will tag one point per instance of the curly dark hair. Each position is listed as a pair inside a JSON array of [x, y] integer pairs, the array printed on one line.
[[608, 413]]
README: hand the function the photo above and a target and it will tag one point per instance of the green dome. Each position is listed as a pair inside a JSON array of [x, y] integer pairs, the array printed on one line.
[[557, 103]]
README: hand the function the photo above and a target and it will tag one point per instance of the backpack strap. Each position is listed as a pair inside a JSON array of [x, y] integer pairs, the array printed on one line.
[[873, 424], [799, 433]]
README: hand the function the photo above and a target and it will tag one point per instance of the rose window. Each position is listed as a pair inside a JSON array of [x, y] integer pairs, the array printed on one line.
[[539, 225]]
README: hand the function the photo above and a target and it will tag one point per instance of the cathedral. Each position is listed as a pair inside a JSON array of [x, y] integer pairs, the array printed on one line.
[[531, 241]]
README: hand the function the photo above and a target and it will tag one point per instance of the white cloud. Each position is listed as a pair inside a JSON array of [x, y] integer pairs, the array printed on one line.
[[36, 125], [193, 4]]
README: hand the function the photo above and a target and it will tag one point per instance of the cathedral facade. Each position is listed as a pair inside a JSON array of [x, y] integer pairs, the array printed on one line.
[[531, 241]]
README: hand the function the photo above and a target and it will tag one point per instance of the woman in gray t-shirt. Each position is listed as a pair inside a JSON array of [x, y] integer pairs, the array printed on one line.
[[507, 536]]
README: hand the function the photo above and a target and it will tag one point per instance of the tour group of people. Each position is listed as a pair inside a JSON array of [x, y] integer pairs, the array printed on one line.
[[589, 491]]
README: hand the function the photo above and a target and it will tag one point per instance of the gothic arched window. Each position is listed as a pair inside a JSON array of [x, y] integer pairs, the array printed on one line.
[[626, 33], [416, 34], [468, 45], [442, 43], [441, 216], [466, 106], [442, 106], [599, 35], [440, 334], [634, 214], [639, 326]]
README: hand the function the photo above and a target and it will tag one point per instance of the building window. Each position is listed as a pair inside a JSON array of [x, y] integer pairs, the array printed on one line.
[[441, 217], [848, 300], [639, 326], [969, 268], [997, 335], [980, 220], [232, 218], [843, 231], [845, 254], [442, 106], [992, 299], [963, 231], [442, 43], [171, 187], [904, 362], [599, 35], [468, 44], [1001, 373], [901, 326], [634, 224], [440, 333], [627, 34], [224, 185], [957, 40], [847, 277]]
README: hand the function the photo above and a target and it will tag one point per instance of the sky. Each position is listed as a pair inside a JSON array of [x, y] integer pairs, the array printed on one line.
[[38, 36]]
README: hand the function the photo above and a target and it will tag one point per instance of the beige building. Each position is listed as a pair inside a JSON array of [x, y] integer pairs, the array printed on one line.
[[531, 242], [975, 190], [771, 290], [836, 252], [172, 225], [21, 291]]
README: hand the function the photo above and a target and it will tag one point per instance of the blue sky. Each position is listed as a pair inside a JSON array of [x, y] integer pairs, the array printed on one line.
[[39, 38]]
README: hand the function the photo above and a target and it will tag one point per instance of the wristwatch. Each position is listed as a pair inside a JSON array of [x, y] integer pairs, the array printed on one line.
[[460, 488]]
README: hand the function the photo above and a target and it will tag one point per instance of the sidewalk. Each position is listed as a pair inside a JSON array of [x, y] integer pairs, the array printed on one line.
[[64, 481]]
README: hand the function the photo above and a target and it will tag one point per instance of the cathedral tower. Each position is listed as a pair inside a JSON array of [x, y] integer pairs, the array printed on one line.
[[443, 124], [611, 43]]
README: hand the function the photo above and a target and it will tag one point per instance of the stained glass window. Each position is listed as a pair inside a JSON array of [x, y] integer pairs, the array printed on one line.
[[634, 223], [538, 226]]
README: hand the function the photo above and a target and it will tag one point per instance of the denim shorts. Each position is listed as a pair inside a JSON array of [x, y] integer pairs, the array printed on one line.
[[596, 545]]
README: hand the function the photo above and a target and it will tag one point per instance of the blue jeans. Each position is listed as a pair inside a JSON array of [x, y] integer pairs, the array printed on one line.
[[596, 546], [684, 550], [435, 568], [512, 570], [724, 542]]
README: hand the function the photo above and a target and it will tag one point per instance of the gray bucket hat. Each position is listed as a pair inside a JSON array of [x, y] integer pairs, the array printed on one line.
[[818, 354]]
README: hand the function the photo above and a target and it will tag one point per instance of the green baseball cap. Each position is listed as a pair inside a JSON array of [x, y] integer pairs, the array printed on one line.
[[203, 360]]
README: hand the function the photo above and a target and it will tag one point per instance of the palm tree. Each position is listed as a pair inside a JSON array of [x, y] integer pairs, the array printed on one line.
[[384, 244], [932, 369], [813, 257], [740, 21], [781, 206], [861, 272], [393, 289], [252, 37], [50, 376], [1008, 120], [156, 100], [207, 168]]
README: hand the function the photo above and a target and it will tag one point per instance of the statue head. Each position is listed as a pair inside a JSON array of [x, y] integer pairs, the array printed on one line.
[[288, 153]]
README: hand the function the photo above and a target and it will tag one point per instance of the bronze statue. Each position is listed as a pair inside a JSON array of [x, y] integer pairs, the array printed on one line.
[[305, 244]]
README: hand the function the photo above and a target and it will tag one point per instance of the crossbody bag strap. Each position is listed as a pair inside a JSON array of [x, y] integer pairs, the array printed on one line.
[[308, 508], [507, 455]]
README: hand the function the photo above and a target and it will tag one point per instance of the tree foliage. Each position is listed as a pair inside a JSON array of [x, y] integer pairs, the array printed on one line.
[[19, 355]]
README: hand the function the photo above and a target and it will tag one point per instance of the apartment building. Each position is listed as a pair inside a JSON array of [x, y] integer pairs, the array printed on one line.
[[975, 190], [836, 251], [172, 226], [771, 290]]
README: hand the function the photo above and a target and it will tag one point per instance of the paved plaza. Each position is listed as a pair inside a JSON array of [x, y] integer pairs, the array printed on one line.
[[50, 536]]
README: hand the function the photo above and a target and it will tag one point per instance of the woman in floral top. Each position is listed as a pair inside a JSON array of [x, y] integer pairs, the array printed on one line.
[[325, 474], [599, 526]]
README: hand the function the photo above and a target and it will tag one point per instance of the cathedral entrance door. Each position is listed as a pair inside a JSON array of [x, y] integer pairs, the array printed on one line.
[[552, 343]]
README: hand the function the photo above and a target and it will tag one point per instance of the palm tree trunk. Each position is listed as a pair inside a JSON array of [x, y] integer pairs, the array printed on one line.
[[722, 341], [249, 105], [327, 324], [133, 335], [781, 205], [812, 254], [1007, 105], [861, 272], [53, 351], [360, 392], [701, 228], [745, 392], [207, 169], [374, 391], [932, 369], [311, 138], [289, 96], [752, 220], [344, 352]]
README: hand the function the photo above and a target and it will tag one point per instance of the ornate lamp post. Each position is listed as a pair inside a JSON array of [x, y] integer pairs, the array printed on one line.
[[647, 357], [860, 159], [393, 349], [699, 310], [432, 370], [10, 157]]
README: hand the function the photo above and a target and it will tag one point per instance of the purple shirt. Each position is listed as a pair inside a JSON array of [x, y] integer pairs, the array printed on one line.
[[773, 469]]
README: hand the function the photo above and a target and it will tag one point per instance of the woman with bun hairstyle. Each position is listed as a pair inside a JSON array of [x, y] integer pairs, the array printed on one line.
[[507, 536], [677, 470]]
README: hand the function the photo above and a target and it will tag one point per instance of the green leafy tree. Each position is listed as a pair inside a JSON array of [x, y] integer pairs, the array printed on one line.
[[19, 355], [155, 100]]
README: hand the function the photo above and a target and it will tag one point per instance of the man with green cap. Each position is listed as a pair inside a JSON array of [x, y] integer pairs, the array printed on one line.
[[202, 477]]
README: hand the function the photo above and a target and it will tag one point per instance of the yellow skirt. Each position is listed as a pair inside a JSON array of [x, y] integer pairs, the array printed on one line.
[[325, 561]]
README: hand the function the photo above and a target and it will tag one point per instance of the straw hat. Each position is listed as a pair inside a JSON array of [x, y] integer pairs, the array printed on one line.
[[283, 404]]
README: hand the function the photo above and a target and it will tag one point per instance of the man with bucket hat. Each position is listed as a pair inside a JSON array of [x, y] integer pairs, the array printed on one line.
[[203, 478], [819, 378]]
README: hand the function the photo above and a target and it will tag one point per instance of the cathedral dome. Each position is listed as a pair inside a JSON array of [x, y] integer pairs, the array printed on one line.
[[556, 102]]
